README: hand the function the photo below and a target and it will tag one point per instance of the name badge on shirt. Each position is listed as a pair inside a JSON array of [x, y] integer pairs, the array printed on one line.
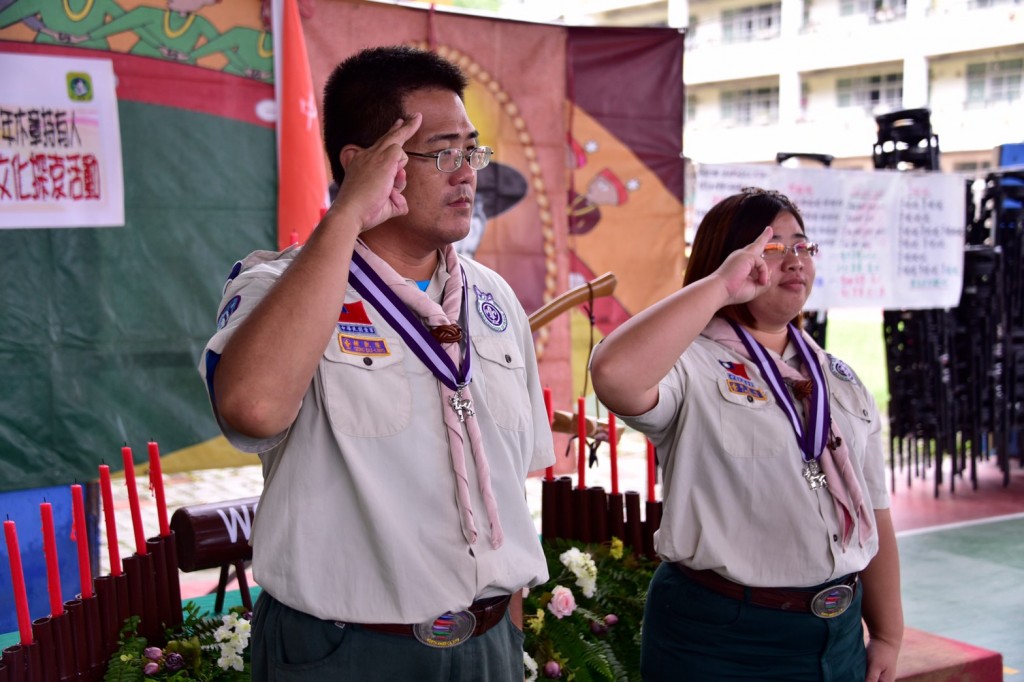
[[738, 382], [361, 345]]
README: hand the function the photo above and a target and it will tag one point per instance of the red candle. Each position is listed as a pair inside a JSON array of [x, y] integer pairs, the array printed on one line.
[[156, 484], [108, 517], [581, 429], [82, 540], [52, 566], [18, 581], [549, 473], [133, 500], [613, 453], [651, 471]]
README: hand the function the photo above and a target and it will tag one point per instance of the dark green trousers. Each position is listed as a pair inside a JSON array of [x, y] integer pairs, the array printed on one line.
[[691, 634], [289, 646]]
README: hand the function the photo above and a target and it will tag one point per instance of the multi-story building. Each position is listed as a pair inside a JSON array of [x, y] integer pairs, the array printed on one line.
[[809, 76]]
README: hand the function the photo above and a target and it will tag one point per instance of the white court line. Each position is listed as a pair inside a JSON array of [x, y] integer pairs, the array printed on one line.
[[959, 524]]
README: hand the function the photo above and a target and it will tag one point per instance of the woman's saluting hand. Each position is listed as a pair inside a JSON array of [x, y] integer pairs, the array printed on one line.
[[745, 273]]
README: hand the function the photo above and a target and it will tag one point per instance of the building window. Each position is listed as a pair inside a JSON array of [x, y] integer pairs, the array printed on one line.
[[878, 10], [994, 82], [981, 4], [971, 166], [758, 22], [691, 108], [753, 106], [871, 92]]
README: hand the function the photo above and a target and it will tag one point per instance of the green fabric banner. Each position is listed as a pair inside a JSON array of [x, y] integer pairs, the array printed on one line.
[[101, 329]]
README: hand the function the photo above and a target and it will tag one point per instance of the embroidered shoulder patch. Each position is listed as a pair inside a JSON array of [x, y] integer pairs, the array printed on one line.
[[225, 313], [493, 316], [841, 370]]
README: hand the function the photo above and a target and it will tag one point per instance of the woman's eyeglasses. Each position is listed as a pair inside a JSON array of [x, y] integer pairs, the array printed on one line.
[[778, 251]]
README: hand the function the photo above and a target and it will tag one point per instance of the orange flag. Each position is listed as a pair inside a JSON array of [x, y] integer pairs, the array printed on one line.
[[302, 178]]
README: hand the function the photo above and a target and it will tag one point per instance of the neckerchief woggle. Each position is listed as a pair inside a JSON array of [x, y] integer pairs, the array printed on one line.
[[412, 330], [812, 440]]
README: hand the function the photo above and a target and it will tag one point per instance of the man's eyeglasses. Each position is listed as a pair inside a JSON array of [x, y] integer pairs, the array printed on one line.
[[778, 251], [450, 160]]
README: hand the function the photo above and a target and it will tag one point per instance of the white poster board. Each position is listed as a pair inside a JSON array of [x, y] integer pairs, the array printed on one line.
[[60, 143], [889, 239]]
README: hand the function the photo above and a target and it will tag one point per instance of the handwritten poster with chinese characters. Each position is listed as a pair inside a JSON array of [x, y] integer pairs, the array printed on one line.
[[60, 143], [889, 239]]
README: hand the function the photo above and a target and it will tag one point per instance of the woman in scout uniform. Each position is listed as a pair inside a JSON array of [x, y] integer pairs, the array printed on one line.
[[776, 538]]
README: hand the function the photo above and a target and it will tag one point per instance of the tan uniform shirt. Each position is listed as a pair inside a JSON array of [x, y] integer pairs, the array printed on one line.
[[358, 520], [735, 500]]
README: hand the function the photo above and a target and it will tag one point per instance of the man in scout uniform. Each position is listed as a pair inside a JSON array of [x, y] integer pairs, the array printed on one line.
[[392, 391]]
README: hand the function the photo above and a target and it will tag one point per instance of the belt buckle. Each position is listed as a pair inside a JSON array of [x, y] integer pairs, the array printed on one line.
[[446, 631], [832, 601]]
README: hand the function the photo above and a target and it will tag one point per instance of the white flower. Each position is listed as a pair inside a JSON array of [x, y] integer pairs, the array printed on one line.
[[233, 637], [583, 567], [531, 667]]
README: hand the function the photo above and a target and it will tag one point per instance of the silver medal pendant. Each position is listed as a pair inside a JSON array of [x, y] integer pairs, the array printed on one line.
[[462, 406], [814, 475], [443, 632]]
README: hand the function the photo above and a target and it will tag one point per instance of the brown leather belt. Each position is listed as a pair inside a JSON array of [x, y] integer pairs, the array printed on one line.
[[488, 613], [782, 598]]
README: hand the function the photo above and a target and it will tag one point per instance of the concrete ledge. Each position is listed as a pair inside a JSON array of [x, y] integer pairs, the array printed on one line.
[[930, 658]]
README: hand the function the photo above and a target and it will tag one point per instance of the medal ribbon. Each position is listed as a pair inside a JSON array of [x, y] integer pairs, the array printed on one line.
[[812, 440], [372, 288]]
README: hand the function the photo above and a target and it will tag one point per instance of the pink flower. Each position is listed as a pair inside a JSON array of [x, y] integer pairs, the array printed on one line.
[[151, 668], [153, 653], [562, 602]]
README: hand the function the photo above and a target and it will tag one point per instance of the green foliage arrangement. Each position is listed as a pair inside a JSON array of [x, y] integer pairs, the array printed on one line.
[[207, 648], [584, 623]]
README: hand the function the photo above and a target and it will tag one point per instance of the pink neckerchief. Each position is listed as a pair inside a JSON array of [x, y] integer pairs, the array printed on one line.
[[434, 315], [843, 485]]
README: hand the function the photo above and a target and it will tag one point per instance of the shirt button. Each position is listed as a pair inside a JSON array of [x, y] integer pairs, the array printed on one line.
[[835, 538], [367, 361], [864, 412], [750, 398], [508, 358]]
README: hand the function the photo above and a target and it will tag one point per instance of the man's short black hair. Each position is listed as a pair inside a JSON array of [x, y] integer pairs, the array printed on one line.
[[363, 95]]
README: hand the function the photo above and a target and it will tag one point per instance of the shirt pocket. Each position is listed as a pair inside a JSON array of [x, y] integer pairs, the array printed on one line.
[[748, 422], [366, 395], [855, 416], [502, 371]]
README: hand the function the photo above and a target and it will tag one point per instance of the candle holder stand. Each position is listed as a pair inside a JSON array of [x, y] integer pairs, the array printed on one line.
[[634, 524], [110, 626], [616, 516], [142, 596], [563, 508], [93, 638], [42, 633], [161, 593], [597, 501], [15, 660], [75, 612], [64, 647], [548, 518], [170, 542]]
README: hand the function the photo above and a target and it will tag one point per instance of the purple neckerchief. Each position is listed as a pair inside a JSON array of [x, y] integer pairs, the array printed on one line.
[[372, 288], [813, 441]]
